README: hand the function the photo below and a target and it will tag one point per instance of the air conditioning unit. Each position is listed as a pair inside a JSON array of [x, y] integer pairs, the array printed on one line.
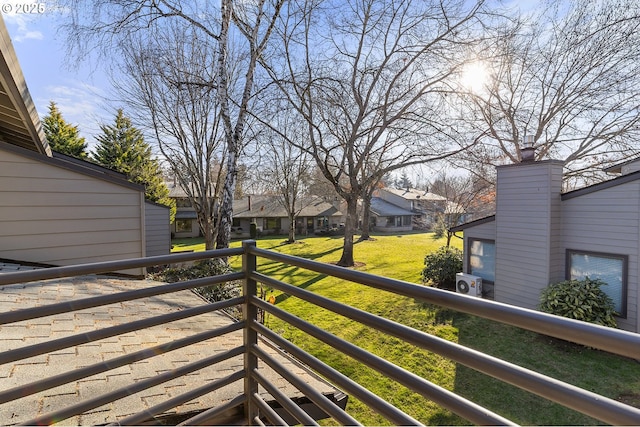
[[469, 285]]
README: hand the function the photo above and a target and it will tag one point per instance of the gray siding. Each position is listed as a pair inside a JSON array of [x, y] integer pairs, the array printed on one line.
[[396, 200], [528, 199], [608, 222], [54, 215], [157, 231]]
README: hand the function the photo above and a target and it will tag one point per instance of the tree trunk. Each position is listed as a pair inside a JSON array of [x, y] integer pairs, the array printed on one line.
[[366, 206], [349, 230], [208, 232], [226, 204], [292, 228]]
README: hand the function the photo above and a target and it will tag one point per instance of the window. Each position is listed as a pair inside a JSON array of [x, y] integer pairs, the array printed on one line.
[[481, 259], [610, 268], [183, 225], [272, 224]]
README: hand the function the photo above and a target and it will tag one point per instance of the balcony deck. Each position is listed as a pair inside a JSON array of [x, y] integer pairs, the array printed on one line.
[[20, 296]]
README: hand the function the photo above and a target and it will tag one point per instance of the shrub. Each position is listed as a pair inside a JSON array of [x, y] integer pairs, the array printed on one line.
[[441, 266], [204, 268], [580, 300], [253, 230]]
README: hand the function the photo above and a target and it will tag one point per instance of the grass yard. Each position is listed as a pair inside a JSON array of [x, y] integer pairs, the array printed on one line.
[[401, 257]]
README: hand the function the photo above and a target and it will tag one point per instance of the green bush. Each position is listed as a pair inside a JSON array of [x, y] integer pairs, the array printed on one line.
[[441, 266], [205, 268], [253, 230], [580, 300]]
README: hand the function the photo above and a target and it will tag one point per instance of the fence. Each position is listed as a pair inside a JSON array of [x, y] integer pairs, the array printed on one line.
[[281, 409]]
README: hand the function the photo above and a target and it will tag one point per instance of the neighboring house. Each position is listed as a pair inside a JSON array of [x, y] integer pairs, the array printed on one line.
[[57, 210], [186, 220], [389, 218], [425, 206], [316, 215], [540, 235]]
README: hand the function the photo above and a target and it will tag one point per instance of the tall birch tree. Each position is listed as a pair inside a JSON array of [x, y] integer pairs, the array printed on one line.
[[237, 32]]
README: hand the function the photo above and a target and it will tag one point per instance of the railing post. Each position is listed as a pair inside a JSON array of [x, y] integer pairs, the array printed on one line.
[[249, 315]]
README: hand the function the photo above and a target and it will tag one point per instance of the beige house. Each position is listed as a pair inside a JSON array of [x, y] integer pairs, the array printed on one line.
[[57, 210]]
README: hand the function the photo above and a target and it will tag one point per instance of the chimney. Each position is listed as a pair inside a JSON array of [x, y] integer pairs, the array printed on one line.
[[528, 152], [249, 202]]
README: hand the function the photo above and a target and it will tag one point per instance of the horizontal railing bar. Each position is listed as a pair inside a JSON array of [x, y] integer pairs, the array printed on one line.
[[285, 401], [92, 302], [205, 417], [268, 411], [57, 380], [587, 402], [86, 405], [608, 339], [74, 340], [375, 402], [445, 398], [150, 413], [111, 266], [314, 395]]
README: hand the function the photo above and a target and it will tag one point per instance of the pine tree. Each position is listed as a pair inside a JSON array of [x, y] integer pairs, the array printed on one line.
[[122, 148], [62, 136]]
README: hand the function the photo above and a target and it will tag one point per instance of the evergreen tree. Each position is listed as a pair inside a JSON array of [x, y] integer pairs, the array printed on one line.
[[62, 136], [122, 148]]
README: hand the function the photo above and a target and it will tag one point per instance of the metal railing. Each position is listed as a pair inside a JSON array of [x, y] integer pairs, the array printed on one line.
[[281, 409]]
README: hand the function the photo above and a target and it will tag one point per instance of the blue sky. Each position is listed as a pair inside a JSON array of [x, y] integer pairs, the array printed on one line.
[[79, 91]]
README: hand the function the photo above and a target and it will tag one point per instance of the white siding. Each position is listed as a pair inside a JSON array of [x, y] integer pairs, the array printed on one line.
[[53, 215], [607, 221], [527, 224], [157, 231]]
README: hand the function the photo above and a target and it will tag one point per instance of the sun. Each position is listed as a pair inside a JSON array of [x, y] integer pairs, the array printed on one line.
[[475, 76]]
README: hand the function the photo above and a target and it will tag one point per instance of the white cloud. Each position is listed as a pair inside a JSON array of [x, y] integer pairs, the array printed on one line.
[[23, 23]]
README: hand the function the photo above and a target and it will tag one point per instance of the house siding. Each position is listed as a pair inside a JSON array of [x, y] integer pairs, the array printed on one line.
[[527, 216], [54, 215], [396, 200], [157, 231], [486, 231], [608, 222]]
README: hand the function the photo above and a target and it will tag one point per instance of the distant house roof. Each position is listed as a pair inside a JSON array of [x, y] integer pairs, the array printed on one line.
[[617, 168], [180, 214], [415, 194], [255, 206], [20, 124], [479, 221], [381, 207]]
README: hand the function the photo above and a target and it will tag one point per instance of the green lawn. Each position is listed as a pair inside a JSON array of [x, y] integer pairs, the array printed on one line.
[[401, 257]]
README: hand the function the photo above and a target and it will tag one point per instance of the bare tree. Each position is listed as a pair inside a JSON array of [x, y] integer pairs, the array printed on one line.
[[367, 77], [246, 26], [288, 169], [567, 75], [465, 196], [167, 81]]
